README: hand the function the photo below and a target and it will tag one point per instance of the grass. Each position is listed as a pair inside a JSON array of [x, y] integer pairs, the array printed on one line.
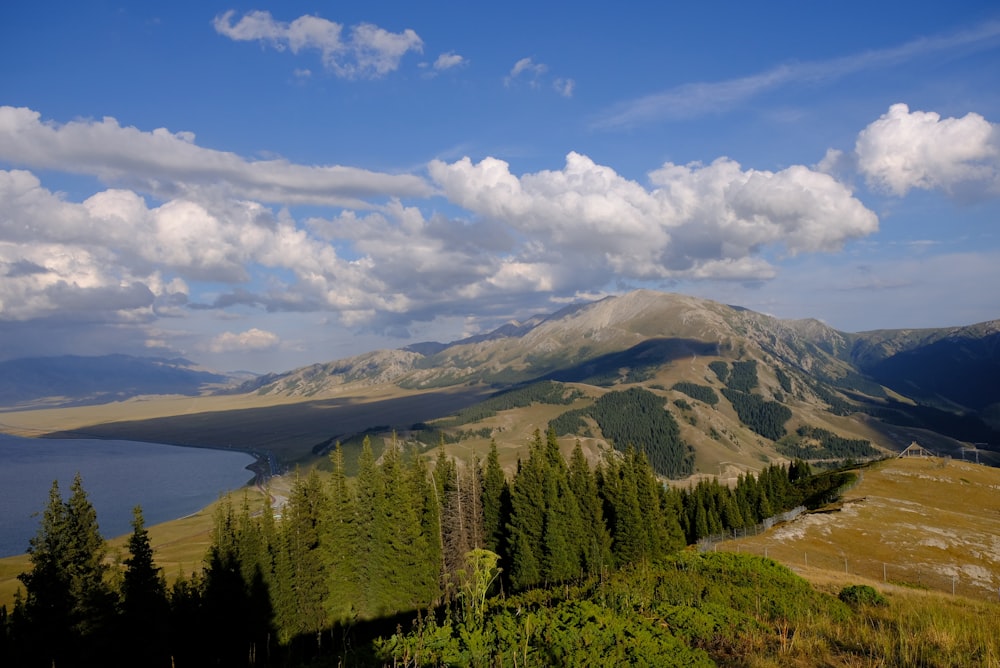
[[912, 522]]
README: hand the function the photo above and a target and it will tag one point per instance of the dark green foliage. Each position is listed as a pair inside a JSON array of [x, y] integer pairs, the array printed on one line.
[[594, 540], [783, 380], [837, 404], [145, 608], [340, 541], [544, 392], [301, 607], [701, 393], [635, 509], [495, 503], [637, 418], [687, 610], [766, 418], [743, 377], [815, 443], [69, 603], [721, 370], [342, 558], [857, 596], [571, 422]]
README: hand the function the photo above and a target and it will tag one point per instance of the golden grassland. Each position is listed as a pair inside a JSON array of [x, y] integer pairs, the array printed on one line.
[[913, 629], [920, 522]]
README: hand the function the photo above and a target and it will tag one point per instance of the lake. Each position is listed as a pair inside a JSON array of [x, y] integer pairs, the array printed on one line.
[[168, 481]]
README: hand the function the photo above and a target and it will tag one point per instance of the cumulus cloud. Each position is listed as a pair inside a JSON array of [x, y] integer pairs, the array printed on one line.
[[252, 340], [906, 149], [170, 164], [696, 221], [363, 51], [113, 243]]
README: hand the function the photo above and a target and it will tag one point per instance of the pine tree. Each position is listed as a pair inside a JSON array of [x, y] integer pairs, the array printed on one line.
[[93, 600], [495, 502], [428, 547], [48, 605], [564, 539], [190, 631], [302, 609], [527, 519], [595, 541], [144, 605], [369, 504], [69, 606], [341, 546]]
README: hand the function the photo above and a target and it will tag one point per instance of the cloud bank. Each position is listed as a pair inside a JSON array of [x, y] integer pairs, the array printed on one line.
[[216, 236]]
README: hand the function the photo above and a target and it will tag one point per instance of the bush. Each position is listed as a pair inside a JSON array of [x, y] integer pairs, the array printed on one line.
[[862, 595]]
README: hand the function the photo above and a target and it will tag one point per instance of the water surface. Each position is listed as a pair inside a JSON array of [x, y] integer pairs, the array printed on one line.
[[168, 481]]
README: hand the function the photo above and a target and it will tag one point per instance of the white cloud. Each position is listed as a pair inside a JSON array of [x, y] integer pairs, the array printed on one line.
[[696, 221], [696, 99], [529, 68], [368, 51], [903, 150], [252, 340], [564, 87], [170, 164], [446, 61]]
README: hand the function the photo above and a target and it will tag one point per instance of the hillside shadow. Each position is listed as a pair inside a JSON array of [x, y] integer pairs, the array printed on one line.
[[290, 431], [638, 363]]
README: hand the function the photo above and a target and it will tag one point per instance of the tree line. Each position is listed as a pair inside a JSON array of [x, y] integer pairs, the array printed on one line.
[[348, 559]]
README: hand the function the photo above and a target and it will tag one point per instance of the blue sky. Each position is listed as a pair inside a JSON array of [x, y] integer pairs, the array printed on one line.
[[261, 186]]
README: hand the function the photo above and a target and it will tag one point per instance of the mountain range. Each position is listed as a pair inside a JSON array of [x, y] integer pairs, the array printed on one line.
[[888, 387]]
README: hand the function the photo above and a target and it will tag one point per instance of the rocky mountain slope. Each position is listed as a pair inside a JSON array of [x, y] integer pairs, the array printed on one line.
[[935, 380], [745, 387]]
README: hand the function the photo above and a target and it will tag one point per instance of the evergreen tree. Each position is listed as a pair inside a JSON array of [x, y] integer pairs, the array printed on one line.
[[48, 605], [341, 546], [302, 608], [189, 628], [370, 499], [622, 510], [526, 528], [595, 541], [428, 547], [93, 600], [69, 606], [236, 597], [495, 503], [564, 539], [144, 606]]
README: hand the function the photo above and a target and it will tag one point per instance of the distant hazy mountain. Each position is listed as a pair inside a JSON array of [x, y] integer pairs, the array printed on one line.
[[72, 380]]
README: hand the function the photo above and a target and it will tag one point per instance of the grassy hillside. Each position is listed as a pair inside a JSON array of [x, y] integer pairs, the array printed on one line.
[[920, 523]]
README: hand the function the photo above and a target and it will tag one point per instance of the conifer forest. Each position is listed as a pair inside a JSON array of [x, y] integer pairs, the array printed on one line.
[[411, 562]]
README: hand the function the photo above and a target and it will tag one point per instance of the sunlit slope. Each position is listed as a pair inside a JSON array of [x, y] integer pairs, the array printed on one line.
[[918, 522]]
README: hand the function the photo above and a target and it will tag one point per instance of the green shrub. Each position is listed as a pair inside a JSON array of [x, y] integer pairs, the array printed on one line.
[[857, 596]]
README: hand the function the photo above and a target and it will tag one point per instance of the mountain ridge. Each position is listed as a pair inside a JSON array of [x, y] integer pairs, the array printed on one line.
[[888, 386]]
